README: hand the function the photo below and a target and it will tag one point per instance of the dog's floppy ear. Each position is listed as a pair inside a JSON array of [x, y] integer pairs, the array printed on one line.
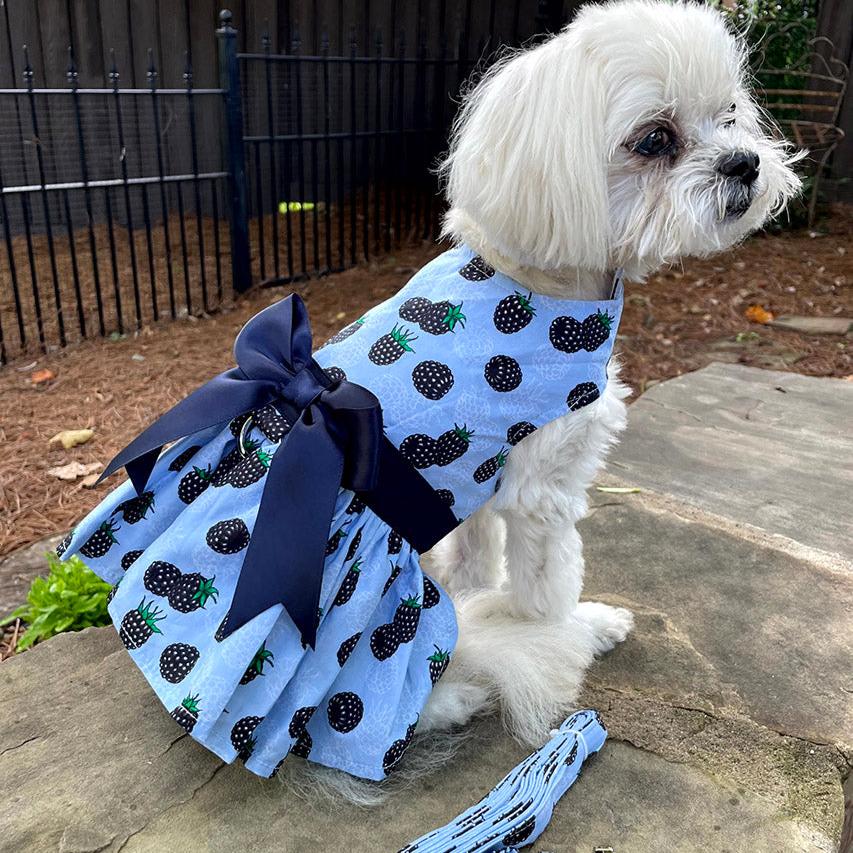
[[528, 159]]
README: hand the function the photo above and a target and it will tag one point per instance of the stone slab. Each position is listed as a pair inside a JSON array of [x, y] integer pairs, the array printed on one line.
[[98, 766], [760, 447], [814, 325], [681, 808], [632, 800], [723, 623], [729, 707], [18, 570]]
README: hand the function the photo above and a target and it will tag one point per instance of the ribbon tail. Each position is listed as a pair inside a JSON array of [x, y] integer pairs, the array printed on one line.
[[217, 401], [407, 502], [286, 554], [139, 469]]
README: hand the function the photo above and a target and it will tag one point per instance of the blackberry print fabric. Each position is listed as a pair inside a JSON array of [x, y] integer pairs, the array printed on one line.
[[466, 364]]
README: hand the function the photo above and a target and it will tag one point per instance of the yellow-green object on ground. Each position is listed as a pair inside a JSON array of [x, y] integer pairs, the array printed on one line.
[[294, 206]]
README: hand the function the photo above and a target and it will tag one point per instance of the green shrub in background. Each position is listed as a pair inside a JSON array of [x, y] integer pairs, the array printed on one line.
[[70, 598], [759, 19], [760, 22]]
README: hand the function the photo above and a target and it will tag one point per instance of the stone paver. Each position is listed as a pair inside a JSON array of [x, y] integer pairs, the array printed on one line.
[[18, 570], [723, 623], [815, 325], [100, 767], [729, 708], [760, 447]]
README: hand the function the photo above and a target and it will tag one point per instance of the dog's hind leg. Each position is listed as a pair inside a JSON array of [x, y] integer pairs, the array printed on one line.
[[530, 669], [472, 556]]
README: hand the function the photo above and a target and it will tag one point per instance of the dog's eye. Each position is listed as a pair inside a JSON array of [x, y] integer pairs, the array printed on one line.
[[659, 141], [729, 119]]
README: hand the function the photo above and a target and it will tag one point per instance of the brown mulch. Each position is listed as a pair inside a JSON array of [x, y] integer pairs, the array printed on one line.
[[180, 266], [684, 318], [679, 321], [9, 636]]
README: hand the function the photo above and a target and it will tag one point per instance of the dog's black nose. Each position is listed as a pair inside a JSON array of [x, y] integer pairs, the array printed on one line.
[[740, 164]]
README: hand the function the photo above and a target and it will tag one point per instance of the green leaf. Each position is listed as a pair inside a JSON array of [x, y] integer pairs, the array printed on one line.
[[15, 614], [70, 598], [25, 642]]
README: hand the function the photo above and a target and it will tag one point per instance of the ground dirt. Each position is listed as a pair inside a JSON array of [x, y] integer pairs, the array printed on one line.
[[679, 321]]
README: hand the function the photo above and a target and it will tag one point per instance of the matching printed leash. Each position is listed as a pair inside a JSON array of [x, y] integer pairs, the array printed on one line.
[[517, 810]]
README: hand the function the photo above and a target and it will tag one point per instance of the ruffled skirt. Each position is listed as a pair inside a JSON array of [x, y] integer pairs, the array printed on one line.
[[174, 555]]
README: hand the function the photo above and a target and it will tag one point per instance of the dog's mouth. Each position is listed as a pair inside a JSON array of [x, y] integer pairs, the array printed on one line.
[[735, 211], [738, 201]]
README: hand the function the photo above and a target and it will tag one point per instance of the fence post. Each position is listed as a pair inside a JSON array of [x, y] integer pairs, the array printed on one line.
[[229, 77], [549, 15]]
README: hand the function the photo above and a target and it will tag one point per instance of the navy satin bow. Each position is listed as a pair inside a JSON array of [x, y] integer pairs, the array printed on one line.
[[336, 440]]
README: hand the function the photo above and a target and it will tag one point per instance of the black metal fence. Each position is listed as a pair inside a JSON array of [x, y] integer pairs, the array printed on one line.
[[103, 232], [338, 150], [123, 205]]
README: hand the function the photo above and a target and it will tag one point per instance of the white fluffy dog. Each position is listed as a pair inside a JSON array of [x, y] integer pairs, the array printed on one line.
[[628, 140]]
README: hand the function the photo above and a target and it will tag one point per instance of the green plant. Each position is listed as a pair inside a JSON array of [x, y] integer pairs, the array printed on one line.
[[779, 35], [70, 598], [758, 20]]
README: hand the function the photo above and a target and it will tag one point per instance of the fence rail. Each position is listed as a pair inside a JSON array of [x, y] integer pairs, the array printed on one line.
[[121, 206], [124, 205], [102, 233], [352, 135]]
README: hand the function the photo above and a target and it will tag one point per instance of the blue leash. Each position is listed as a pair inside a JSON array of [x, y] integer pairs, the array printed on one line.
[[517, 810]]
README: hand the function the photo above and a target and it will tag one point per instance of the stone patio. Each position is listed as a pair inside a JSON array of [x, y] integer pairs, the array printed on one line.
[[730, 709]]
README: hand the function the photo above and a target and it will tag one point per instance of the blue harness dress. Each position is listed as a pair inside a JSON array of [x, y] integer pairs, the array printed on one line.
[[465, 364]]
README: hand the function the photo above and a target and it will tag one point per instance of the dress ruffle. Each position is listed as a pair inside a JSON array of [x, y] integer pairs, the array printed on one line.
[[174, 554]]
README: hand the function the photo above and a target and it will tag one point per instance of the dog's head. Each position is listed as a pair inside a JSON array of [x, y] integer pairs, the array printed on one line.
[[629, 139]]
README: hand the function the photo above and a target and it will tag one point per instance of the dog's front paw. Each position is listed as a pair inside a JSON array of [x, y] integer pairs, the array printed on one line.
[[610, 625]]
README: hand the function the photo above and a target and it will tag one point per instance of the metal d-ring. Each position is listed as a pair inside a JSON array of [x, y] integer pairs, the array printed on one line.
[[247, 424]]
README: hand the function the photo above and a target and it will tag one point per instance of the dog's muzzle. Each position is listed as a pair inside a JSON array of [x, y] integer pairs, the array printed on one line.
[[740, 170]]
